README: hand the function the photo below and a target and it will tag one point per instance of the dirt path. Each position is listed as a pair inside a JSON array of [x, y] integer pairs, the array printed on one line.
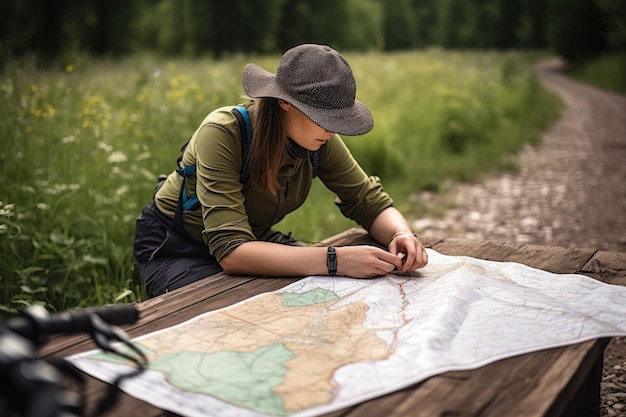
[[570, 191]]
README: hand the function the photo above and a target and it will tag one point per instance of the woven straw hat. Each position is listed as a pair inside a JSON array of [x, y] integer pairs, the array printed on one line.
[[317, 81]]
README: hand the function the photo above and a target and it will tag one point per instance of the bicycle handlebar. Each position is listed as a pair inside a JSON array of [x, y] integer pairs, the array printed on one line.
[[36, 324], [33, 387]]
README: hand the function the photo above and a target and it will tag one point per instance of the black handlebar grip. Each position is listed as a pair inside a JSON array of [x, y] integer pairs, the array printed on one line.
[[37, 324]]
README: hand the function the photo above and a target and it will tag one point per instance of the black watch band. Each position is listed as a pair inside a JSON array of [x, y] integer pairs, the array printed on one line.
[[332, 261]]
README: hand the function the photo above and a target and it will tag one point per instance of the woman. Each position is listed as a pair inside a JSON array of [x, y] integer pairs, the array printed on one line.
[[298, 111]]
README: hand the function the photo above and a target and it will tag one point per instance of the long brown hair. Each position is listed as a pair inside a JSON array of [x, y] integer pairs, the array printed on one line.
[[269, 144]]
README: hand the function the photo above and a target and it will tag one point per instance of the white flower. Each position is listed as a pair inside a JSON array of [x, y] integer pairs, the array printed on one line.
[[117, 157], [121, 191], [6, 213], [144, 155], [105, 146], [43, 206]]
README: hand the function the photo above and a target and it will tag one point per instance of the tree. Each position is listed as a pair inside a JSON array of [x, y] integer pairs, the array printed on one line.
[[363, 29], [531, 29], [312, 21], [576, 29], [614, 16], [399, 25]]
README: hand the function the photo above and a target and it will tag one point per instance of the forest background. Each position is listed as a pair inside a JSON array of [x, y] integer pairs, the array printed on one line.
[[60, 30], [97, 96]]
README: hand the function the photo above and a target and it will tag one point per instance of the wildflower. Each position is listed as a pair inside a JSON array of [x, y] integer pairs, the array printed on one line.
[[117, 157], [7, 88], [96, 112], [105, 146], [43, 206], [68, 139], [150, 176], [143, 155], [3, 229], [59, 188], [121, 191], [69, 68], [6, 211]]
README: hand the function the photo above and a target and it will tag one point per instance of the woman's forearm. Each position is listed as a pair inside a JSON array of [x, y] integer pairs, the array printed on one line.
[[389, 222], [274, 259]]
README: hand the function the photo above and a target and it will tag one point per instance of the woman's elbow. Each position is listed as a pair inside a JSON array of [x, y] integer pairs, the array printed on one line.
[[228, 265], [232, 264]]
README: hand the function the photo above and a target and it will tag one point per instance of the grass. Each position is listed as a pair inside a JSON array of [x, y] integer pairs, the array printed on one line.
[[608, 72], [82, 146]]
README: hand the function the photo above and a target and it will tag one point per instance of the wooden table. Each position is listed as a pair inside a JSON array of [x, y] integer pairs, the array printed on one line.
[[556, 382]]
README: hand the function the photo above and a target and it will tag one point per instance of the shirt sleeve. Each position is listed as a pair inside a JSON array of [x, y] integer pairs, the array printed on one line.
[[359, 197], [218, 159]]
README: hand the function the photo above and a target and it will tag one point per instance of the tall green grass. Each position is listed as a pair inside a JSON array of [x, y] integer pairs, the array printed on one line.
[[82, 146], [608, 72]]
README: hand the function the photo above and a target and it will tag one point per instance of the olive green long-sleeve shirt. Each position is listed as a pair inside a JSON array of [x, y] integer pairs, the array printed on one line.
[[233, 213]]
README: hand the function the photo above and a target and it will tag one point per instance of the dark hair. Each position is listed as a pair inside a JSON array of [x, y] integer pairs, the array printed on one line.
[[269, 144]]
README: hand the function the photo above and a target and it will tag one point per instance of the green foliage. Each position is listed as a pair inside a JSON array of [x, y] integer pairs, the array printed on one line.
[[64, 29], [607, 72], [361, 29], [577, 29], [82, 149], [614, 16]]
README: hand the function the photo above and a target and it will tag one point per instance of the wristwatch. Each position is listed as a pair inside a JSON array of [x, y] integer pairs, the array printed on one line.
[[332, 261]]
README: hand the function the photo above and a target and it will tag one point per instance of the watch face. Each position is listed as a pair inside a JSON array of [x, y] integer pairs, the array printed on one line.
[[332, 261]]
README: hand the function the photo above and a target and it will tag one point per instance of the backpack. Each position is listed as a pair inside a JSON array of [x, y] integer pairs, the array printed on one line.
[[245, 128]]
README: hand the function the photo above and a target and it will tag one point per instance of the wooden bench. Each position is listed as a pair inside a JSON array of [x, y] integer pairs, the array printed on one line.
[[556, 382]]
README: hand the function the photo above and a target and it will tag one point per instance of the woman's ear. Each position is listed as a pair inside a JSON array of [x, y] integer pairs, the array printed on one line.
[[284, 105]]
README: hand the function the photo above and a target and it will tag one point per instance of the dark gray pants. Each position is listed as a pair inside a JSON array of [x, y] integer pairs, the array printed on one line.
[[169, 258]]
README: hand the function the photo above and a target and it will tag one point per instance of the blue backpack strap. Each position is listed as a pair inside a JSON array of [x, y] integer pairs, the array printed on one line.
[[188, 203], [245, 127], [243, 118]]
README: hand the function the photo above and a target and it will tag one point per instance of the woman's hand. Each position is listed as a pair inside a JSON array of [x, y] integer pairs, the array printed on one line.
[[366, 261], [414, 252], [391, 228]]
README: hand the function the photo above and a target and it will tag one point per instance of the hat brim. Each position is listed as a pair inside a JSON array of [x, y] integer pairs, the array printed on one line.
[[351, 121]]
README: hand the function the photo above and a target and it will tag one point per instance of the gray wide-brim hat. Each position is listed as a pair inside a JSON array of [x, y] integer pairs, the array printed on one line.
[[317, 81]]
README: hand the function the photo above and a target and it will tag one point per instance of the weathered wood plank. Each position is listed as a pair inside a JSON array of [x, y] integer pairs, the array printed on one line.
[[551, 258], [540, 384], [490, 250], [356, 236], [609, 267]]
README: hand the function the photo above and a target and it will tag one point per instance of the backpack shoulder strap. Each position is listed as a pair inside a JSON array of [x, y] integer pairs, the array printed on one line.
[[243, 118], [315, 158], [245, 127]]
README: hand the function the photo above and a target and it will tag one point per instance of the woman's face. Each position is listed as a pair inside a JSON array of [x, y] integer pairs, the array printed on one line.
[[301, 129]]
